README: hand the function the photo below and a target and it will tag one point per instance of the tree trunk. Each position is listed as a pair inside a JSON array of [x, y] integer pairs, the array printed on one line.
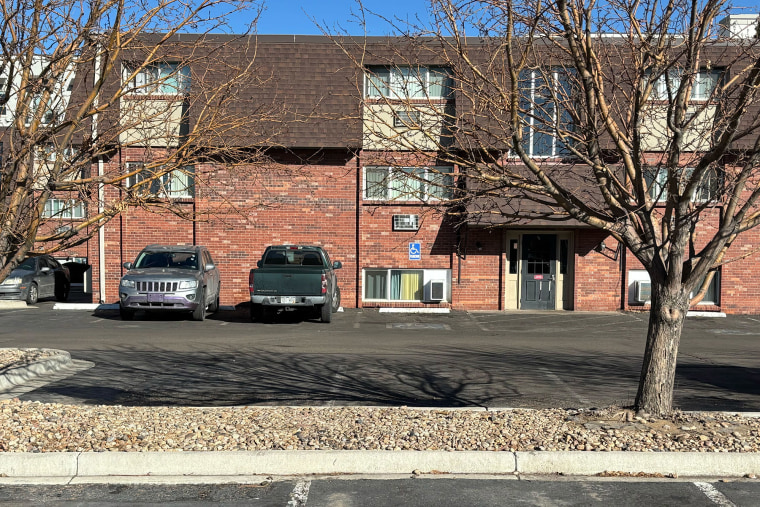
[[666, 317]]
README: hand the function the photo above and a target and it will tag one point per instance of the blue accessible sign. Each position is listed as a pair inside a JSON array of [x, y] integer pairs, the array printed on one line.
[[415, 252]]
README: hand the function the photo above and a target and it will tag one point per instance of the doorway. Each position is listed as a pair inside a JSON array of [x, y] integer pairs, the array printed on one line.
[[538, 273]]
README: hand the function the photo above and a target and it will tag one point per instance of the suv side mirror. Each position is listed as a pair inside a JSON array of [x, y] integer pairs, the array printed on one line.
[[258, 264], [208, 267], [127, 265], [337, 265]]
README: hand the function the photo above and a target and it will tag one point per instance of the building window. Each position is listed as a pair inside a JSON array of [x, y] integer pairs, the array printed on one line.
[[657, 182], [408, 183], [157, 79], [541, 92], [176, 184], [49, 116], [406, 119], [713, 291], [394, 284], [64, 209], [705, 81], [403, 83]]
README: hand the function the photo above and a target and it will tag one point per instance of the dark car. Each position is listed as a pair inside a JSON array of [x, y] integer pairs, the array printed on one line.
[[35, 278], [170, 278]]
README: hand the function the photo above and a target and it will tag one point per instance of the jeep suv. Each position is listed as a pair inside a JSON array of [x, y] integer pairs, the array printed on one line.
[[170, 278]]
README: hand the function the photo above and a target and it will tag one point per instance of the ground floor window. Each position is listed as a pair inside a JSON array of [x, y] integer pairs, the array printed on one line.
[[394, 284], [407, 285]]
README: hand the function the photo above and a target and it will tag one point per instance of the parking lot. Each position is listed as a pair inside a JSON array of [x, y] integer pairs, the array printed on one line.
[[365, 357]]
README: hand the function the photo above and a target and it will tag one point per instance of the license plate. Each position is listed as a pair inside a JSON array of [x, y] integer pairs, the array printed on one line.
[[155, 298], [287, 300]]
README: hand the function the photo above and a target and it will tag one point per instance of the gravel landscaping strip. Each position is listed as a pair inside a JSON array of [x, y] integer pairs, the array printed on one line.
[[27, 426]]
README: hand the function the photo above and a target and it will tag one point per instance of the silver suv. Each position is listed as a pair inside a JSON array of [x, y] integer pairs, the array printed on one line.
[[173, 278]]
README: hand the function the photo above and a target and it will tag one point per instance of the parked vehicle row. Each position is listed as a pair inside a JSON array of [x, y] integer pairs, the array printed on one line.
[[184, 278]]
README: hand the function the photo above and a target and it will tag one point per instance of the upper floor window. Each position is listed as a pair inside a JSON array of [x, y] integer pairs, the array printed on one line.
[[64, 208], [705, 81], [542, 93], [176, 184], [402, 83], [49, 115], [408, 183], [657, 182], [158, 79]]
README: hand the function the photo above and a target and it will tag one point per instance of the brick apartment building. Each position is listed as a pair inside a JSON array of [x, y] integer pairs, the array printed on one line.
[[326, 187]]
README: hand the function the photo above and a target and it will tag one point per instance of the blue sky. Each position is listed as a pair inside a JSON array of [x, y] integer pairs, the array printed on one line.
[[339, 16], [293, 16]]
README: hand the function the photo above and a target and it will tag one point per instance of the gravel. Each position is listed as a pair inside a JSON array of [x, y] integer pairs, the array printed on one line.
[[27, 426]]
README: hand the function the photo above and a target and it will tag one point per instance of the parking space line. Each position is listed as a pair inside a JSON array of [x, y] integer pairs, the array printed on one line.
[[562, 384], [714, 495], [300, 494]]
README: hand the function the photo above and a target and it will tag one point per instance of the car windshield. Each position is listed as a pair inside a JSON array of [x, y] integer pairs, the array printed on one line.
[[28, 264], [181, 260]]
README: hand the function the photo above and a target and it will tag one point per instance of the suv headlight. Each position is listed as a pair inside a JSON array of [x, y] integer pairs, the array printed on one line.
[[16, 280], [127, 283], [188, 284]]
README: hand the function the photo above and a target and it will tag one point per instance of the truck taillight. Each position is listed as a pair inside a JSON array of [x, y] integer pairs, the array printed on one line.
[[250, 282], [324, 284]]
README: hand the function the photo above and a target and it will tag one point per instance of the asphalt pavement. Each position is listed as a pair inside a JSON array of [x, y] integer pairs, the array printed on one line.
[[250, 467]]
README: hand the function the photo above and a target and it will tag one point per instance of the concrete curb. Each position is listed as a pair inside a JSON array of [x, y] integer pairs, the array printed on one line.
[[285, 463], [17, 376], [8, 304]]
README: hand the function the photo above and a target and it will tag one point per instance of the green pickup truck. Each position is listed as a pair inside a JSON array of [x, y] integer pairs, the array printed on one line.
[[294, 276]]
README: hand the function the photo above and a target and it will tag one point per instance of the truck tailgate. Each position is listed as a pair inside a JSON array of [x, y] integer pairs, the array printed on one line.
[[288, 282]]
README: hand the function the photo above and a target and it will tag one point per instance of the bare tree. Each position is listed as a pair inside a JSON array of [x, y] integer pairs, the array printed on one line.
[[83, 83], [635, 118]]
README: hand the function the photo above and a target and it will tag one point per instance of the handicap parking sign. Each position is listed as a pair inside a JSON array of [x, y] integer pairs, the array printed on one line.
[[414, 252]]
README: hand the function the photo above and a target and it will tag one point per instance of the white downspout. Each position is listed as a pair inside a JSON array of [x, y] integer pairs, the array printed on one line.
[[101, 189]]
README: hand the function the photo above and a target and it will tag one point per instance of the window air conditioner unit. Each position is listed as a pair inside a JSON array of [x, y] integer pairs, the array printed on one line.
[[642, 291], [435, 290], [406, 222]]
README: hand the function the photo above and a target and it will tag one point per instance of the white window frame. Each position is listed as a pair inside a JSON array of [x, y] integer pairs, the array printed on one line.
[[424, 277], [407, 82], [699, 91], [530, 142], [404, 189], [659, 192], [159, 78], [65, 209], [176, 184]]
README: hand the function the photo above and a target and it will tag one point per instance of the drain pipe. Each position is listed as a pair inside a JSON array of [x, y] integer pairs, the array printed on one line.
[[101, 187]]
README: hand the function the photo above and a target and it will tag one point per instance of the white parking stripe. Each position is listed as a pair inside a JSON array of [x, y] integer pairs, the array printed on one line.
[[300, 494], [714, 495], [564, 386]]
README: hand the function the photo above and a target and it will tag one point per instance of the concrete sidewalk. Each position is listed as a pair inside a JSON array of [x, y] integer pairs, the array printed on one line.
[[245, 466]]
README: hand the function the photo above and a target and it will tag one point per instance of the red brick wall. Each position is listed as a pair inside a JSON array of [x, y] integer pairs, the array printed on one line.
[[598, 279], [481, 285]]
